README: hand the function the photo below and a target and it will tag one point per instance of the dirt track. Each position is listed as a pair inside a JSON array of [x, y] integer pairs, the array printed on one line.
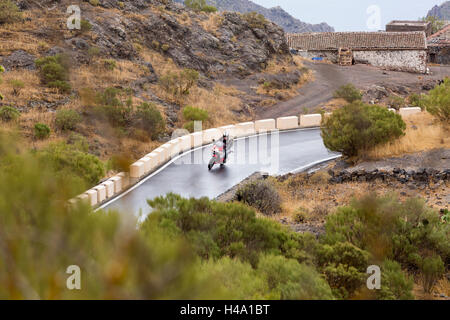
[[329, 77]]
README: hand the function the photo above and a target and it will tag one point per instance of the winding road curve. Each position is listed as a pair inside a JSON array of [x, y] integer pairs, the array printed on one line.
[[291, 151]]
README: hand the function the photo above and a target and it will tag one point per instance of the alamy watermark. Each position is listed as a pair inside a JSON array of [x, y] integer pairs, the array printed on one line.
[[374, 20], [73, 282]]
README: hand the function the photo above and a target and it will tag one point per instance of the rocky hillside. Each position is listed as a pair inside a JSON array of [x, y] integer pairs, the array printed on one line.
[[276, 14], [442, 11], [132, 52]]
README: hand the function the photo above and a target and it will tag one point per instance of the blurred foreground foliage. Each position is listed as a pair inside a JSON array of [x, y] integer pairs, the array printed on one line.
[[201, 249]]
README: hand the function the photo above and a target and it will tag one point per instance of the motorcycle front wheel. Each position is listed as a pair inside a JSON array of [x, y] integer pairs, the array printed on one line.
[[211, 164]]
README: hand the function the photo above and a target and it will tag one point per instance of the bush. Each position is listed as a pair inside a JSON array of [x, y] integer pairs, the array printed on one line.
[[199, 5], [94, 2], [179, 84], [54, 72], [437, 102], [85, 26], [261, 195], [67, 119], [395, 285], [357, 127], [349, 93], [255, 20], [111, 108], [195, 114], [149, 118], [110, 64], [69, 160], [432, 270], [17, 86], [8, 114], [397, 102], [9, 12], [41, 131], [416, 100], [292, 280], [344, 266]]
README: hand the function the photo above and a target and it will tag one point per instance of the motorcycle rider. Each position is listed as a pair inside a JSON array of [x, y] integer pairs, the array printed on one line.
[[225, 139]]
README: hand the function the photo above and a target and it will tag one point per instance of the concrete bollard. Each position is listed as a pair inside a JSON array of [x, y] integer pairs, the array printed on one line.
[[109, 186], [175, 147], [125, 179], [101, 193], [286, 123], [196, 139], [265, 125], [185, 143], [147, 164], [92, 196], [310, 120], [405, 112], [392, 110], [137, 170], [167, 152], [211, 135], [244, 129], [83, 197], [117, 180]]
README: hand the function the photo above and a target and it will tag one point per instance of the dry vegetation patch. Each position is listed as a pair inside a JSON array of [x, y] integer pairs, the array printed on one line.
[[423, 132]]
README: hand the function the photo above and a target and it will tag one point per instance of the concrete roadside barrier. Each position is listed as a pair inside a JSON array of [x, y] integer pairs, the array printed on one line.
[[185, 143], [175, 147], [117, 180], [92, 197], [147, 164], [196, 139], [404, 112], [285, 123], [231, 130], [244, 129], [101, 193], [125, 179], [265, 125], [211, 135], [109, 186], [310, 120], [137, 170]]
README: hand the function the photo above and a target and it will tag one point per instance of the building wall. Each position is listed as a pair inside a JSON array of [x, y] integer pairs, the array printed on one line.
[[398, 60], [331, 56], [439, 54], [408, 28]]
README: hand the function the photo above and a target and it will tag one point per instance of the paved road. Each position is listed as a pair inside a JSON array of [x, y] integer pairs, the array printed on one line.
[[329, 77], [292, 150]]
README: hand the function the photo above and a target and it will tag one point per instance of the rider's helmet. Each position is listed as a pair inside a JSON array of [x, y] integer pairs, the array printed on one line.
[[225, 135]]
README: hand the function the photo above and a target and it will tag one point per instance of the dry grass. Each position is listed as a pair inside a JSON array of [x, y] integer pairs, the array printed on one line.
[[160, 63], [220, 103], [423, 133], [31, 90], [213, 22]]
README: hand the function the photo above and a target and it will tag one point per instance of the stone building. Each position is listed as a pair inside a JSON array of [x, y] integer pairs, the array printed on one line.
[[408, 26], [399, 51], [439, 46]]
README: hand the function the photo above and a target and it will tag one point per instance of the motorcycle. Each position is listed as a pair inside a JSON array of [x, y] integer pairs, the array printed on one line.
[[218, 154]]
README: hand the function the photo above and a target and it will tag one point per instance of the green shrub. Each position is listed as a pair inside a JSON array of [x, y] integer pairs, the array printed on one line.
[[67, 119], [416, 100], [437, 102], [2, 69], [110, 64], [68, 158], [199, 5], [344, 266], [195, 114], [85, 26], [8, 114], [149, 118], [165, 47], [224, 229], [357, 127], [261, 195], [349, 93], [255, 20], [54, 72], [292, 280], [432, 270], [111, 108], [93, 52], [395, 285], [94, 2], [61, 86], [9, 12], [41, 131], [17, 86], [179, 84], [397, 102]]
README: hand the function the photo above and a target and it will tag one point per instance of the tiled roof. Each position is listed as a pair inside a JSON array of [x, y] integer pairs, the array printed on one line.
[[357, 40], [440, 38]]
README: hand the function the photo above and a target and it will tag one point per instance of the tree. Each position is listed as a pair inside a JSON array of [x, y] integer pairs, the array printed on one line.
[[436, 23], [357, 127], [199, 5], [437, 102]]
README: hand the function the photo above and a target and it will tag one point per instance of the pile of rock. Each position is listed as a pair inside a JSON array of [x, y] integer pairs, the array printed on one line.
[[422, 176]]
